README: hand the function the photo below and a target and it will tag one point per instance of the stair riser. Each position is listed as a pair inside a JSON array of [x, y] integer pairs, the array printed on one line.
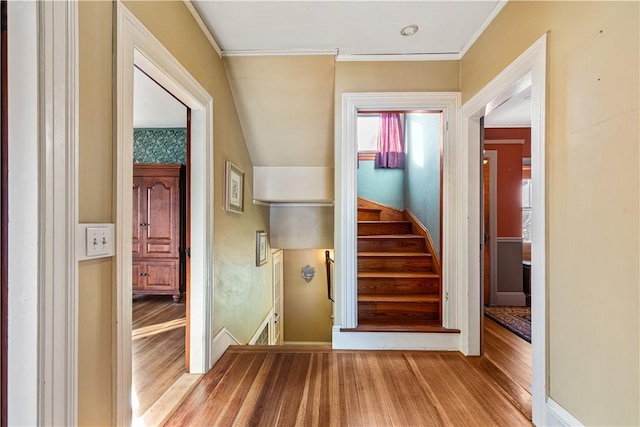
[[389, 312], [392, 245], [368, 216], [383, 228], [399, 286], [408, 264]]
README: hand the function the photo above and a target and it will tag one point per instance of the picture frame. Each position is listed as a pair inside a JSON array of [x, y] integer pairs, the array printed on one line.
[[261, 248], [234, 188]]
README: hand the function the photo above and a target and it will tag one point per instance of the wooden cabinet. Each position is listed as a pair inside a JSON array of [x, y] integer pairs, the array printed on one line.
[[158, 219]]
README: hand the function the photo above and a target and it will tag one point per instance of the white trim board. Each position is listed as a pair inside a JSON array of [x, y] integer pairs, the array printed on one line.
[[203, 27], [346, 305], [42, 278], [496, 10], [394, 341], [136, 45], [556, 415], [221, 343], [528, 69]]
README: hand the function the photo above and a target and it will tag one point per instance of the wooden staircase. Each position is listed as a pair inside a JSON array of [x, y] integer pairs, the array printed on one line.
[[398, 287]]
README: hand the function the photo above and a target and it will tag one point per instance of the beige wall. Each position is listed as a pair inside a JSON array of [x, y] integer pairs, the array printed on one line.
[[592, 193], [242, 291], [307, 310], [95, 283]]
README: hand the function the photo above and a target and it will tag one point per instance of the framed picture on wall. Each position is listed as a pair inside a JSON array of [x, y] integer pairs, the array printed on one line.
[[234, 188], [261, 248]]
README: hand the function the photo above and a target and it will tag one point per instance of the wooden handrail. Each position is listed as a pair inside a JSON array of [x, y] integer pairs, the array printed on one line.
[[327, 262]]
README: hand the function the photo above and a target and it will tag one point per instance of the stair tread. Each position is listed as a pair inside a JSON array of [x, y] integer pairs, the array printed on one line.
[[396, 275], [408, 327], [390, 236], [398, 298], [394, 254], [369, 210], [384, 222]]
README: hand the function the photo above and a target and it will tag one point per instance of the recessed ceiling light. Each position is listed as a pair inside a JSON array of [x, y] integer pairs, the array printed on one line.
[[409, 30]]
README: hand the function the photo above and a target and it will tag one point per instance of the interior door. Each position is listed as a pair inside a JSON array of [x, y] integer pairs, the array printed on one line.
[[278, 282]]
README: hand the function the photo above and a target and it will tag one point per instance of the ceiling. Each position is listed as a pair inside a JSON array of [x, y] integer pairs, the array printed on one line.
[[154, 107], [446, 28], [514, 112]]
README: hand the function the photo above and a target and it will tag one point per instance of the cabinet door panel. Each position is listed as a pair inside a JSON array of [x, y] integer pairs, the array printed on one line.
[[163, 222], [137, 216], [162, 275]]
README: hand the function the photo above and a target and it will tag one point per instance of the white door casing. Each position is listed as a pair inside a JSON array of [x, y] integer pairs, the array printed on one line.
[[42, 318], [528, 69], [346, 191], [137, 46]]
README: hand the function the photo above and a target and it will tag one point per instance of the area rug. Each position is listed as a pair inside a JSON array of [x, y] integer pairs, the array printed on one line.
[[515, 319]]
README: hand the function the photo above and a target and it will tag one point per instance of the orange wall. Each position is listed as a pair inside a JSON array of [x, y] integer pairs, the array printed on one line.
[[509, 177]]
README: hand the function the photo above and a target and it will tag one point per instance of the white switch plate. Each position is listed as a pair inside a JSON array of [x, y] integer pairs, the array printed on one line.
[[95, 241]]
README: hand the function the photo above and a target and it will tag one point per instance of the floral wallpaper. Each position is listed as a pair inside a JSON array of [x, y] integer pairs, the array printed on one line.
[[160, 145]]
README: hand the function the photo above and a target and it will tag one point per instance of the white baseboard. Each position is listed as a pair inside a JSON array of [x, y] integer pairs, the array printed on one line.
[[394, 341], [511, 298], [558, 416], [307, 343], [220, 343]]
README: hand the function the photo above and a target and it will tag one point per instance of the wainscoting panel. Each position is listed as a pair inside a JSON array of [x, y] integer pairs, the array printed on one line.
[[510, 290]]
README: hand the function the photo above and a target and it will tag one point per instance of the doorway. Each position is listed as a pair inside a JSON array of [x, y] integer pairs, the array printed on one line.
[[136, 47], [160, 317], [527, 70], [346, 211]]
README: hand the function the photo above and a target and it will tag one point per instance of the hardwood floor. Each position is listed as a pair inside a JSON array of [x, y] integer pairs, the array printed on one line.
[[158, 356], [304, 385]]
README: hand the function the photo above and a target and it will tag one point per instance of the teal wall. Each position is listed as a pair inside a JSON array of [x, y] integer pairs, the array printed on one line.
[[384, 186], [160, 145], [422, 172]]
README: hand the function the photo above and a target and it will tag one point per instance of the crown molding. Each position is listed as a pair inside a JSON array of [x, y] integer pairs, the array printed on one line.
[[203, 27], [482, 27], [284, 52], [398, 57]]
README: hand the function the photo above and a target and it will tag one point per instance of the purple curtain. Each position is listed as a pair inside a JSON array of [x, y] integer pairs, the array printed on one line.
[[390, 152]]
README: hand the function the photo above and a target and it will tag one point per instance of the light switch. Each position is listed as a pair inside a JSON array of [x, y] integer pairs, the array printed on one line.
[[95, 241]]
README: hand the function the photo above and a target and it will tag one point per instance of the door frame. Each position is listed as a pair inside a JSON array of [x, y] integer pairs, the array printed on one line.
[[278, 317], [528, 68], [42, 281], [137, 46], [346, 150]]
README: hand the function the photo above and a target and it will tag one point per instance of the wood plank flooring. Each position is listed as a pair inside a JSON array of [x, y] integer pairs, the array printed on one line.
[[158, 359], [291, 386]]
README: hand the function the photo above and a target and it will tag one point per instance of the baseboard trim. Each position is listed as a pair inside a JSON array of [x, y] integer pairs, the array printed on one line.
[[558, 416], [511, 298], [394, 341], [307, 343], [220, 343], [170, 401]]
